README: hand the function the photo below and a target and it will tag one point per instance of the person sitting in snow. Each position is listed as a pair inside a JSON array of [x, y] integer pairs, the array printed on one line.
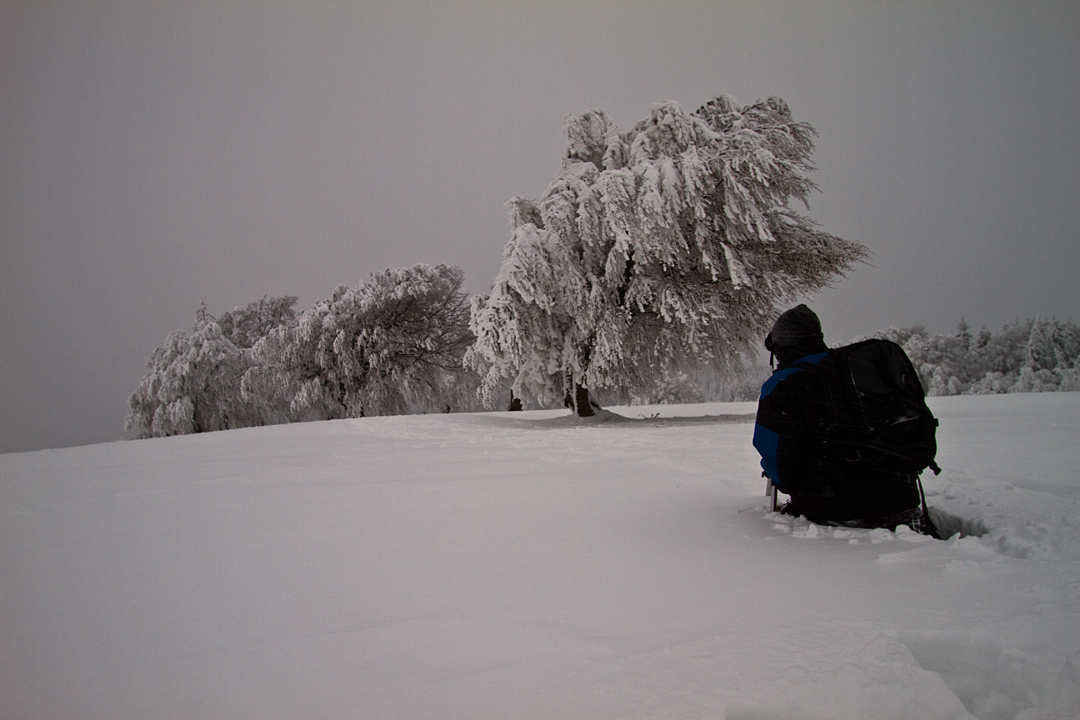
[[789, 433]]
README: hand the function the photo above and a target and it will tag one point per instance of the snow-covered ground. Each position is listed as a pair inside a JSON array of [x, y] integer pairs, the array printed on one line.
[[531, 565]]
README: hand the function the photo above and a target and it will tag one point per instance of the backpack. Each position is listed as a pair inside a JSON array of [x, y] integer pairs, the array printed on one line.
[[877, 415]]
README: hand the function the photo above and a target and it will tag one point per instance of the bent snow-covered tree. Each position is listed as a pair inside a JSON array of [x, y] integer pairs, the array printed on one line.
[[389, 346], [653, 251], [194, 380]]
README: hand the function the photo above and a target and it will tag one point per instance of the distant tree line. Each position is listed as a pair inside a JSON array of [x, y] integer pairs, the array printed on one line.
[[1040, 355]]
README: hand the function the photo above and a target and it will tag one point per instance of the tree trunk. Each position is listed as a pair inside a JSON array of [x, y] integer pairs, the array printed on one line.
[[580, 402]]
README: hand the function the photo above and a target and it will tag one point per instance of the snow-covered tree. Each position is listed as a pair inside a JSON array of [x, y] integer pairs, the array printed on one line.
[[392, 345], [654, 250], [963, 335], [194, 381], [247, 325], [1052, 345]]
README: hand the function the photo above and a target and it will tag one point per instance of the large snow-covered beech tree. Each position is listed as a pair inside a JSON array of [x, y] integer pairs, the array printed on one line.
[[392, 345], [654, 250]]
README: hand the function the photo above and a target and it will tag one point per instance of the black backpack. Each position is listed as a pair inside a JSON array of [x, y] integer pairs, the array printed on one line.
[[877, 415]]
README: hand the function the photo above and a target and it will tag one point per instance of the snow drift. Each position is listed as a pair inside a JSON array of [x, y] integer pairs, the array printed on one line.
[[532, 564]]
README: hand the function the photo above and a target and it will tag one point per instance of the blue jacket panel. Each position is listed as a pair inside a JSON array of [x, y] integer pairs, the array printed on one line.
[[782, 430]]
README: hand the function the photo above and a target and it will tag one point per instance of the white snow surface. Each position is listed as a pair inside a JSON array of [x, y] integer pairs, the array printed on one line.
[[532, 565]]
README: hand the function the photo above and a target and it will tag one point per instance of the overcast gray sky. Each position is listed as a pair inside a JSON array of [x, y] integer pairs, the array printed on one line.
[[159, 154]]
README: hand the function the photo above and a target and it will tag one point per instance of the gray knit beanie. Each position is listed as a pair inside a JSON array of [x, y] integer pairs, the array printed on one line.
[[793, 327]]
